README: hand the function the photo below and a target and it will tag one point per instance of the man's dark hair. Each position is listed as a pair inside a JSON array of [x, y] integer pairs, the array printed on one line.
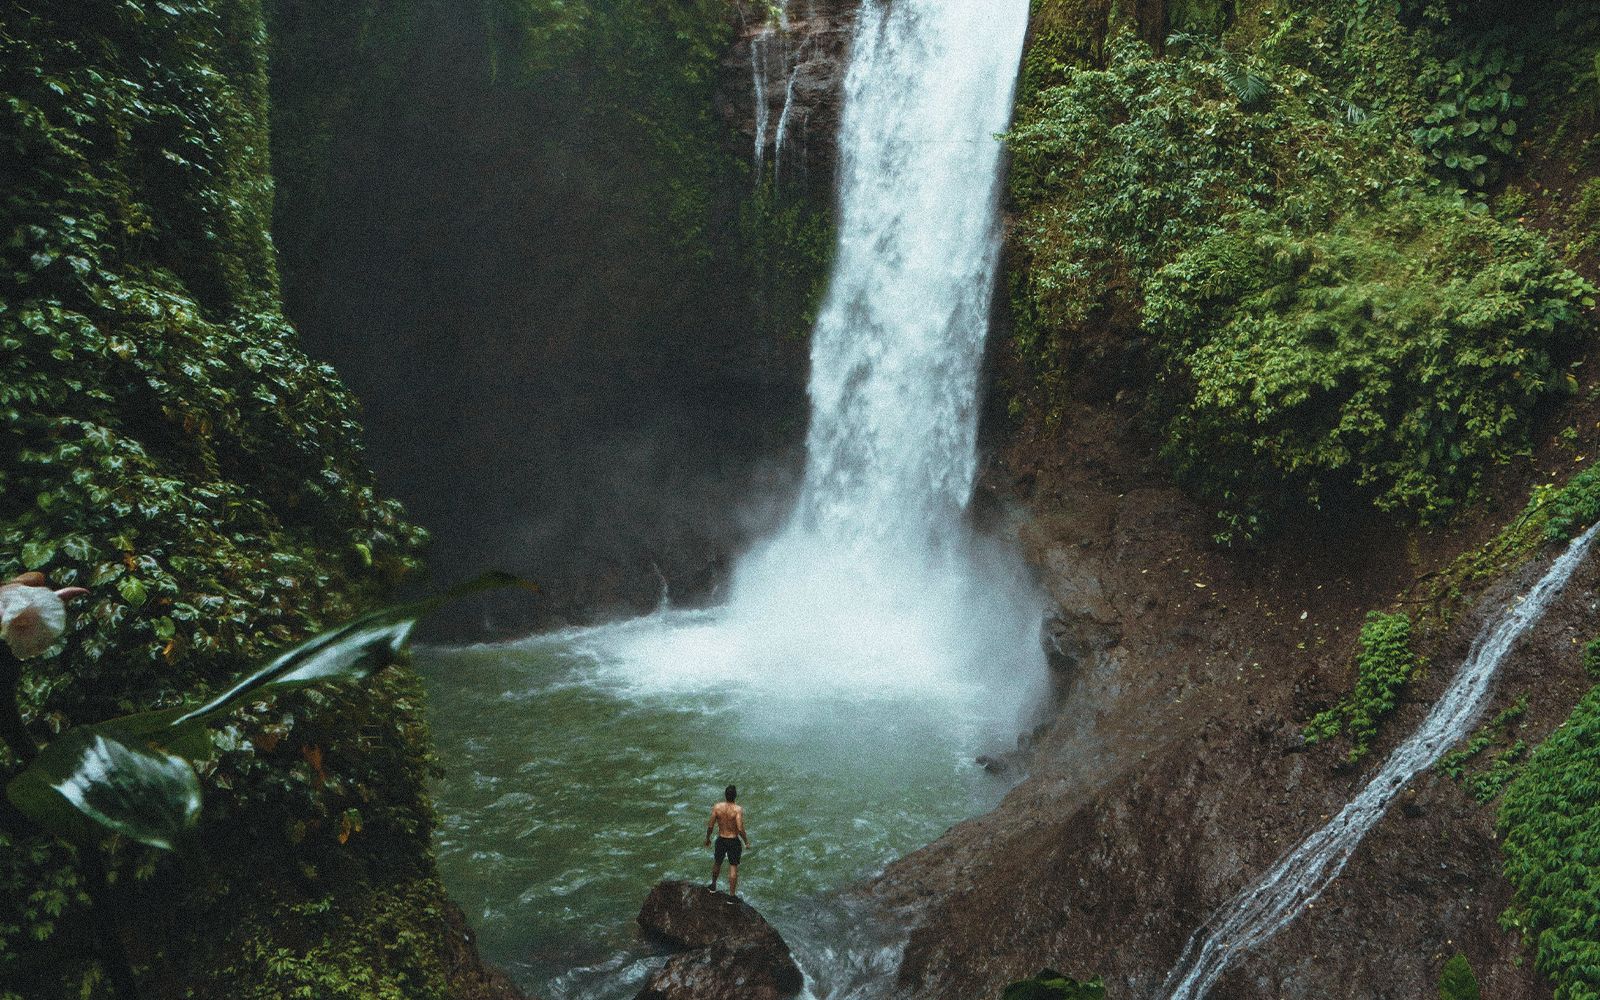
[[731, 793]]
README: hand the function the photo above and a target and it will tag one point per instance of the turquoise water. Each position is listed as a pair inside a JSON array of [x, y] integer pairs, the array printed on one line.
[[580, 768]]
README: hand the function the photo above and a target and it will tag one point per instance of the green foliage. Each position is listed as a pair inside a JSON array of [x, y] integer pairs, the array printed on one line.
[[349, 953], [1468, 133], [1591, 658], [169, 446], [1575, 506], [1457, 981], [1249, 227], [789, 251], [1397, 353], [1200, 17], [1550, 836], [1383, 666], [1052, 985], [1064, 35], [1484, 783]]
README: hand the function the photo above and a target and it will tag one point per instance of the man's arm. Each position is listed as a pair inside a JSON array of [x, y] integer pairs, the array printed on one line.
[[744, 836]]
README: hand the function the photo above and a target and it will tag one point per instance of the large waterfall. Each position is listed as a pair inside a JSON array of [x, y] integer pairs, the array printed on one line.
[[876, 585], [876, 559], [1261, 910]]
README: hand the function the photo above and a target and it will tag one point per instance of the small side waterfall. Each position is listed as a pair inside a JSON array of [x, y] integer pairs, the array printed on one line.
[[776, 60], [1261, 910], [783, 126], [772, 57]]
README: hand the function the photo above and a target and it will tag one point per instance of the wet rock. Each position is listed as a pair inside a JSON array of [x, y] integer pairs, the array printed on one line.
[[733, 952], [745, 968], [802, 70], [997, 764]]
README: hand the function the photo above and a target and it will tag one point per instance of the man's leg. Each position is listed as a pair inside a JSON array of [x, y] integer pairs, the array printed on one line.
[[733, 880], [716, 871]]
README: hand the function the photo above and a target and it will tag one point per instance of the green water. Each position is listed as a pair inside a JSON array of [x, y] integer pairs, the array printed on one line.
[[579, 771]]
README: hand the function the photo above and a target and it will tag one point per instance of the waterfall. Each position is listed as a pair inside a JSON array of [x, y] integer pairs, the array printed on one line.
[[876, 570], [758, 80], [874, 587], [774, 29], [783, 125], [1261, 910], [896, 350]]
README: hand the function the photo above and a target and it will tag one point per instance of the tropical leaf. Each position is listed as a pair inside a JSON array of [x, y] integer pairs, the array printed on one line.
[[87, 779], [349, 652], [133, 775]]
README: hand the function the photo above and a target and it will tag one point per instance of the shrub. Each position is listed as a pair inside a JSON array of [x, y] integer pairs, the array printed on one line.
[[1396, 354], [1249, 227], [1383, 666], [1467, 134], [1550, 838], [1591, 658], [1456, 980], [1575, 506], [1052, 985]]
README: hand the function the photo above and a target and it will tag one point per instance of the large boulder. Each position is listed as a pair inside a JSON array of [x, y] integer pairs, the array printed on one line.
[[733, 951]]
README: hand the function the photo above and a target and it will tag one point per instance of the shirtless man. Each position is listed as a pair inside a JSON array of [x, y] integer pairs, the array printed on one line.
[[728, 820]]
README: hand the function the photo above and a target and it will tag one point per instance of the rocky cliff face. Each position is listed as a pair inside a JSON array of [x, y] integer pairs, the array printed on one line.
[[1173, 772], [539, 271], [781, 88]]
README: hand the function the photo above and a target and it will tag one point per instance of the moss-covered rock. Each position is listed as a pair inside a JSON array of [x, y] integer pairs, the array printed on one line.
[[170, 447], [1397, 340], [531, 245]]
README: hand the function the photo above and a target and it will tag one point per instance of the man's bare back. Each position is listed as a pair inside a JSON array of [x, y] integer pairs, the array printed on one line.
[[729, 819]]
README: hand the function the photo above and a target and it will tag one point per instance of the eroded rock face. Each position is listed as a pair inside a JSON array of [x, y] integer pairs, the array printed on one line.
[[1174, 772], [800, 67], [733, 951]]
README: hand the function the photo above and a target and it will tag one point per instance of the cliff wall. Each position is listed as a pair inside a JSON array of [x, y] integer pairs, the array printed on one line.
[[170, 447]]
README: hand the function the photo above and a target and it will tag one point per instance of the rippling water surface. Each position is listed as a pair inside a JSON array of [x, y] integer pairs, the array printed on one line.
[[578, 772]]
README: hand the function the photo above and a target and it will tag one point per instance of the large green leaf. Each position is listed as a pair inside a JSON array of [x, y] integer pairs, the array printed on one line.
[[132, 775], [148, 795], [349, 652]]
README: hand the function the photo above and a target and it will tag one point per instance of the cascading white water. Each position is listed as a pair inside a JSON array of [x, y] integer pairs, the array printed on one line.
[[875, 586], [876, 571], [773, 34], [783, 125], [1266, 907]]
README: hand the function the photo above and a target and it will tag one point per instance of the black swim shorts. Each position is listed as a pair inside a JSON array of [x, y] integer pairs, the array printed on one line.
[[729, 847]]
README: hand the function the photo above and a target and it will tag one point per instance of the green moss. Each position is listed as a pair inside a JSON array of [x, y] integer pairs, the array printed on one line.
[[1384, 664], [1064, 35], [1550, 836], [1246, 226], [790, 248], [1456, 980], [170, 447]]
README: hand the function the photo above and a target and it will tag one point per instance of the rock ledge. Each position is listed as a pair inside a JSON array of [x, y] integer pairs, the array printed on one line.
[[733, 951]]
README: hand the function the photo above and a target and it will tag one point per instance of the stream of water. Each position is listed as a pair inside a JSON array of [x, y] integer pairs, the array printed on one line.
[[1262, 909], [868, 651]]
